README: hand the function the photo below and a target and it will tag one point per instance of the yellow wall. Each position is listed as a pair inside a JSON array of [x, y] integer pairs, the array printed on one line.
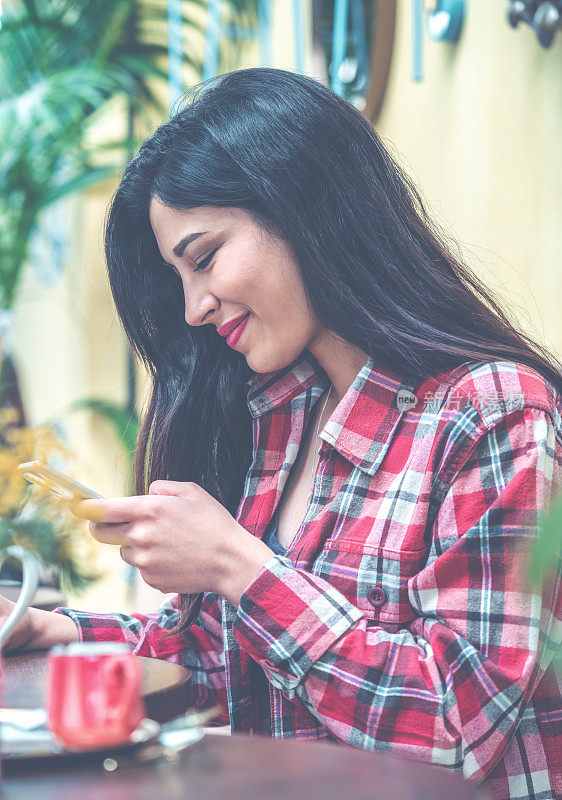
[[480, 135]]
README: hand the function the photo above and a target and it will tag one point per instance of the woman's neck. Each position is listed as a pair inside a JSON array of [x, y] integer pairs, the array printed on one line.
[[341, 361]]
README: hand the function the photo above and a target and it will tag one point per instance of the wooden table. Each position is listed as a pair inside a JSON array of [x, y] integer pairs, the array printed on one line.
[[242, 767], [164, 685], [234, 767]]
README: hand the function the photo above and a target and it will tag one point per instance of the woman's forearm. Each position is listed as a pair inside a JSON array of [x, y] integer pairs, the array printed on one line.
[[44, 629]]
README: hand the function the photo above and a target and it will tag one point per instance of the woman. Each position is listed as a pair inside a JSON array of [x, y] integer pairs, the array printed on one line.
[[354, 478]]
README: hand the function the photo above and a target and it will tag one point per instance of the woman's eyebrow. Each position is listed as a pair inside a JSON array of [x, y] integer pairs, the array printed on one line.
[[180, 247]]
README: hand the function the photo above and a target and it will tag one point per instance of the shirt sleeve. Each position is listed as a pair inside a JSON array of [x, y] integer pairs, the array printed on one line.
[[450, 687], [200, 648]]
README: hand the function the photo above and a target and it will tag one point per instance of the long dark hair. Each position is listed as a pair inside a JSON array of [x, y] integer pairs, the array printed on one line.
[[308, 166]]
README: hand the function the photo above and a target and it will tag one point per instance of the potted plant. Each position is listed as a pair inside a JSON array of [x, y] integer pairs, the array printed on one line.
[[33, 518]]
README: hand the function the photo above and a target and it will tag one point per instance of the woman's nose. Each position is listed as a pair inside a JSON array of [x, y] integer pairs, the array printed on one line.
[[197, 310]]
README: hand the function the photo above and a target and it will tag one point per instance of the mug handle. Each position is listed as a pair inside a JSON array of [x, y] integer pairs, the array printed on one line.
[[29, 585], [128, 674]]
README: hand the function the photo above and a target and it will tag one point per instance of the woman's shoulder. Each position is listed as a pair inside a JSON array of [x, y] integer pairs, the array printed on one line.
[[495, 389], [501, 407]]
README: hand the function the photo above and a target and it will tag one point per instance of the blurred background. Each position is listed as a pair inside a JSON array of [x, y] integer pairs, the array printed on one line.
[[466, 95]]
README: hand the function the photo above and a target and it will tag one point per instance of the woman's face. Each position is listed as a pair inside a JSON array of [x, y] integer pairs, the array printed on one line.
[[231, 267]]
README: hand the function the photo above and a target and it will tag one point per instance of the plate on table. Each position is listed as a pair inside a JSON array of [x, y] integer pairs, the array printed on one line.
[[24, 736]]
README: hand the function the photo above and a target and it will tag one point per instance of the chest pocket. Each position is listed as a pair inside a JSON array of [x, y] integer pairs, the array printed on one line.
[[375, 580]]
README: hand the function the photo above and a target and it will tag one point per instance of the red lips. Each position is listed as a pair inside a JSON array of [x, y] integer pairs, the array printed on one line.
[[228, 327]]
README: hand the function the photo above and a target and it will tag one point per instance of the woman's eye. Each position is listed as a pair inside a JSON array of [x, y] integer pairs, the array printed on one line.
[[205, 261]]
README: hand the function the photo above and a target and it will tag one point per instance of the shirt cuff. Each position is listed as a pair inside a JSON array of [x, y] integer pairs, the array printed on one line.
[[99, 627], [287, 619]]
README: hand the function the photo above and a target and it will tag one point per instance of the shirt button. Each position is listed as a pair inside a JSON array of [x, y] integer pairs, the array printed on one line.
[[376, 596]]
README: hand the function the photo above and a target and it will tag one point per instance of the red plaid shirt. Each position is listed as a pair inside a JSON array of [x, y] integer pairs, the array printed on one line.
[[400, 618]]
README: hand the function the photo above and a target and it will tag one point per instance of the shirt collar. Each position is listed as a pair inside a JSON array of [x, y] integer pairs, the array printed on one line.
[[361, 426]]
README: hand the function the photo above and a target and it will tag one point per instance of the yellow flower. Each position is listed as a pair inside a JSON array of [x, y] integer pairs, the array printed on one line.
[[13, 485], [63, 539]]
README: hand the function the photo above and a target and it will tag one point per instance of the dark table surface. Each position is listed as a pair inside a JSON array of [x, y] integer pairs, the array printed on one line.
[[242, 767]]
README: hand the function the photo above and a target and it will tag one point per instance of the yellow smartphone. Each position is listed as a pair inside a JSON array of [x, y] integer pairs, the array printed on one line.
[[56, 482]]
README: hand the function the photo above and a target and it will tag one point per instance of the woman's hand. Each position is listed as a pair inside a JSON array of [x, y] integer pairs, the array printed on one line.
[[22, 633], [181, 539], [37, 629]]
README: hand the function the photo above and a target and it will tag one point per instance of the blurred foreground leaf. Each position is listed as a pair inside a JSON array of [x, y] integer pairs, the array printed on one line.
[[546, 553]]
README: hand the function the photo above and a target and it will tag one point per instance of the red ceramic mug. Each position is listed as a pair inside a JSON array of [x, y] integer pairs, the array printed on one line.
[[93, 694]]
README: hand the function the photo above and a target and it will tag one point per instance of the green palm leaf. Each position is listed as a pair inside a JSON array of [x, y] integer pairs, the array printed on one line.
[[61, 63], [125, 425]]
